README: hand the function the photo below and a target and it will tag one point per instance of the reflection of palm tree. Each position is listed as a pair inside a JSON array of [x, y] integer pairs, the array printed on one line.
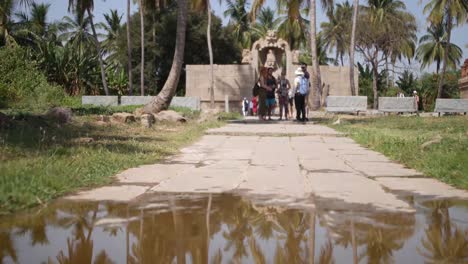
[[380, 245], [239, 230], [7, 248], [443, 243], [326, 253]]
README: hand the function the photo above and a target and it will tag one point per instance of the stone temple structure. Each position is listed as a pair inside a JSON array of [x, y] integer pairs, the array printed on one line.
[[237, 80], [463, 82]]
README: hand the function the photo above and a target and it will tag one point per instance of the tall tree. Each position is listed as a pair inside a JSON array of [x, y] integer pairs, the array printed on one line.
[[292, 26], [381, 24], [142, 36], [316, 78], [336, 30], [7, 10], [451, 13], [239, 20], [129, 49], [432, 47], [352, 47], [164, 98], [82, 6], [202, 5]]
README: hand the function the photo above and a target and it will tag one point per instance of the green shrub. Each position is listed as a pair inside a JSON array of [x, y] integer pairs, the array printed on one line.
[[22, 85]]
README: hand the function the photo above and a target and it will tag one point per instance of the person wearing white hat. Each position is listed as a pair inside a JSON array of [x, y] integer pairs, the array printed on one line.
[[301, 89]]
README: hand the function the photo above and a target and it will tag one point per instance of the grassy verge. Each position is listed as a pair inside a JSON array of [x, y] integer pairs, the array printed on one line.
[[40, 160], [403, 140]]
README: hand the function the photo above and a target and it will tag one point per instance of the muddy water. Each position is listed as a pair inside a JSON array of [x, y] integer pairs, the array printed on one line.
[[234, 229]]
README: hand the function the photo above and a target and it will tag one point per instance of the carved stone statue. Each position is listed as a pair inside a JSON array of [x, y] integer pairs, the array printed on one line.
[[246, 56], [464, 69], [271, 37], [295, 56], [270, 59]]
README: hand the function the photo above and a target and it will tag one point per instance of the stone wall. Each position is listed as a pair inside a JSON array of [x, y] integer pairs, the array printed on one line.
[[237, 81], [463, 86], [234, 80]]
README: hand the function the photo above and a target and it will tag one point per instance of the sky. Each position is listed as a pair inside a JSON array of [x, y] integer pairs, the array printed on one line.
[[59, 9]]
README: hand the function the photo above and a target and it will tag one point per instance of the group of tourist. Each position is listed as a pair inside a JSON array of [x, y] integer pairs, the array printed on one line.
[[289, 95]]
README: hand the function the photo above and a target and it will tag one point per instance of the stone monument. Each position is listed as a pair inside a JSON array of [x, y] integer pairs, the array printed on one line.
[[463, 82]]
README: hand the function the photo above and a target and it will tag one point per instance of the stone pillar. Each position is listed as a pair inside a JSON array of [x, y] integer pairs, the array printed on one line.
[[226, 103]]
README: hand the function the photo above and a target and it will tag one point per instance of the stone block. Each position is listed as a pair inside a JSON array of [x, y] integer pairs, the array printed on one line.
[[189, 102], [123, 118], [100, 100], [346, 103], [451, 106], [397, 104], [135, 100]]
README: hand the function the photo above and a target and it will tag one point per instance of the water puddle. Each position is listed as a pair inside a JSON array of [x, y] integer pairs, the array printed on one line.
[[228, 228]]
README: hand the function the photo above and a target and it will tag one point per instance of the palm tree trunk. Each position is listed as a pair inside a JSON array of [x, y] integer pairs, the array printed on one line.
[[312, 238], [352, 47], [375, 77], [313, 50], [129, 51], [210, 52], [98, 49], [164, 98], [353, 242], [446, 52], [438, 67], [142, 66]]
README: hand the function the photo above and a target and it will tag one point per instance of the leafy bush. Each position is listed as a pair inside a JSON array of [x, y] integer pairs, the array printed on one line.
[[22, 85]]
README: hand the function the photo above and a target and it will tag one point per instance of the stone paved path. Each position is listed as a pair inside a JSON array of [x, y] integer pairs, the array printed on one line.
[[286, 161]]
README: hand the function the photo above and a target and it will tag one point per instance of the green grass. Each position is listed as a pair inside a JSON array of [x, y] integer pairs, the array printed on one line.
[[40, 160], [401, 139]]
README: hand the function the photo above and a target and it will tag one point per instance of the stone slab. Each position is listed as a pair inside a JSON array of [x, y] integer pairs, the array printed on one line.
[[273, 129], [100, 100], [355, 189], [151, 174], [124, 193], [135, 100], [451, 106], [397, 104], [423, 186], [189, 102], [346, 104]]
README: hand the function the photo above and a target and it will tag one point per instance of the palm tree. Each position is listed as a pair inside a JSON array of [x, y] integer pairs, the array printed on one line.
[[352, 47], [336, 30], [82, 6], [451, 13], [129, 49], [292, 26], [142, 36], [202, 5], [164, 98], [265, 21], [239, 20], [112, 27], [432, 47], [316, 79], [7, 8]]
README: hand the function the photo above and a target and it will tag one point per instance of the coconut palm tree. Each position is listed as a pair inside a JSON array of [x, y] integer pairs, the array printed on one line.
[[335, 31], [7, 10], [292, 26], [239, 20], [451, 13], [129, 49], [352, 47], [164, 98], [265, 21], [432, 47], [82, 6], [142, 8], [112, 26], [206, 5]]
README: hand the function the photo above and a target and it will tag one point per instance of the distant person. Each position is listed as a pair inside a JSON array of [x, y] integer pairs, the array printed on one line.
[[283, 96], [400, 94], [245, 106], [301, 85], [254, 105], [270, 92], [250, 107], [262, 93], [416, 101], [307, 76]]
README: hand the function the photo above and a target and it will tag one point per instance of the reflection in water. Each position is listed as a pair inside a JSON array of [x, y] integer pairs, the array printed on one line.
[[233, 229]]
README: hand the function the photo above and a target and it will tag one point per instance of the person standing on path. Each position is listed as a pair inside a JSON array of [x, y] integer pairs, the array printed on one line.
[[270, 94], [307, 76], [262, 93], [254, 105], [245, 107], [416, 101], [301, 85], [283, 96]]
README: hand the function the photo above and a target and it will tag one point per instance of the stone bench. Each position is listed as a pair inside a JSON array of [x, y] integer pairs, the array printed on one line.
[[451, 106], [346, 104], [189, 102], [100, 100], [397, 104]]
